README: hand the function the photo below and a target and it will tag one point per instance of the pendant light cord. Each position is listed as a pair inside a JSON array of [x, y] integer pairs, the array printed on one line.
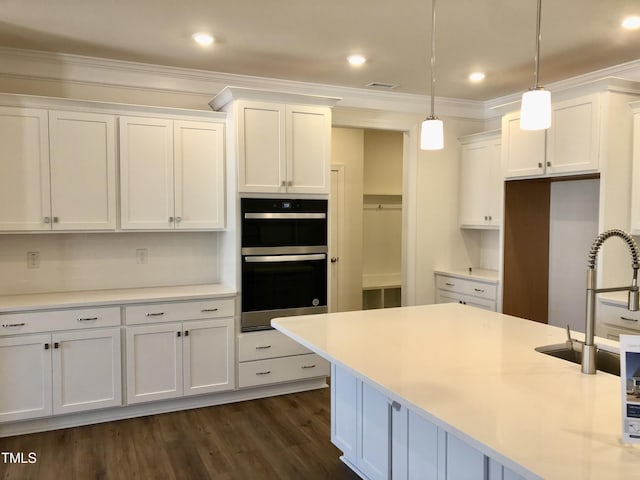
[[433, 56], [536, 73]]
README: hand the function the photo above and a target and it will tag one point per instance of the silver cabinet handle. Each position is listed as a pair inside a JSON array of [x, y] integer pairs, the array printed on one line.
[[448, 284], [206, 310], [13, 325], [539, 165], [87, 319], [548, 164], [284, 258], [267, 372], [626, 319], [479, 290], [334, 259], [308, 366], [283, 184], [170, 219], [290, 183], [56, 219], [46, 219], [263, 347], [178, 219], [156, 314]]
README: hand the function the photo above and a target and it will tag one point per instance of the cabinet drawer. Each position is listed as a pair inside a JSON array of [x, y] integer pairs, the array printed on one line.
[[451, 297], [467, 287], [178, 311], [618, 315], [268, 344], [284, 369], [52, 320]]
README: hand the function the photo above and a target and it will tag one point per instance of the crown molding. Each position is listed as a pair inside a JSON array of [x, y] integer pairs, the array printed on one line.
[[619, 78], [18, 63]]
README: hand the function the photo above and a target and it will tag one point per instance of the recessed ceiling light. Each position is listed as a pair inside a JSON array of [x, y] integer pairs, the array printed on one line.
[[631, 23], [476, 76], [356, 60], [202, 38]]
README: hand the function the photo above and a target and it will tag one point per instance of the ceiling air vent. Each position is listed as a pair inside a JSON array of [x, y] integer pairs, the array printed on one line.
[[388, 86]]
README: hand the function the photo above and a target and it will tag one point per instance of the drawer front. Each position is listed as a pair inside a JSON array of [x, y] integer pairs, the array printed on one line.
[[178, 311], [268, 344], [284, 369], [618, 315], [451, 297], [467, 287], [52, 320]]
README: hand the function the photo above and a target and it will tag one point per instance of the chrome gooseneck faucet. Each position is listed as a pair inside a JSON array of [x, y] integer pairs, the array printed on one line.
[[589, 349]]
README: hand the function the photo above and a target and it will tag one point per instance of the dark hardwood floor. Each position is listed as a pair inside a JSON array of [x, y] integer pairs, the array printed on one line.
[[285, 437]]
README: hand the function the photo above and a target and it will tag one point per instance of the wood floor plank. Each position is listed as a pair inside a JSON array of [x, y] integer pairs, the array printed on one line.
[[279, 438]]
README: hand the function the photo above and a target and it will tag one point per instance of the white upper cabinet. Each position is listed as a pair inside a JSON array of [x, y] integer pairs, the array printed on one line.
[[171, 174], [570, 146], [280, 142], [83, 171], [57, 170], [283, 148], [25, 198], [481, 181]]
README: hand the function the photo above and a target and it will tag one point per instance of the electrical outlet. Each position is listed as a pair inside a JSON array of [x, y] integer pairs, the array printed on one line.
[[33, 259], [142, 255]]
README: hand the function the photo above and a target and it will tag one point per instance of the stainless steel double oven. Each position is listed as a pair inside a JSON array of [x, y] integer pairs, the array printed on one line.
[[284, 259]]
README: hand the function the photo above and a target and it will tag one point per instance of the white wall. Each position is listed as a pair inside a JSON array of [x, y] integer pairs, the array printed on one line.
[[106, 260], [573, 225]]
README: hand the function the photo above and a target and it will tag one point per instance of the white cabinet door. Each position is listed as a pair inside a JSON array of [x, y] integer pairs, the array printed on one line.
[[154, 362], [481, 185], [523, 151], [146, 173], [308, 140], [25, 370], [261, 147], [86, 370], [374, 429], [573, 140], [463, 461], [83, 171], [199, 175], [208, 356], [24, 170], [344, 391]]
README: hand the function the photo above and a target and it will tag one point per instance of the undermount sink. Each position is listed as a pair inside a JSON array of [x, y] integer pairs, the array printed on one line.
[[606, 361]]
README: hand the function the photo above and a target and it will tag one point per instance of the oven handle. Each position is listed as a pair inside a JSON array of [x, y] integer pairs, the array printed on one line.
[[276, 216], [284, 258]]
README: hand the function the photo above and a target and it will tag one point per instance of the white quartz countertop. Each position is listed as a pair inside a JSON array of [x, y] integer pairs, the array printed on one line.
[[43, 301], [476, 274], [476, 374]]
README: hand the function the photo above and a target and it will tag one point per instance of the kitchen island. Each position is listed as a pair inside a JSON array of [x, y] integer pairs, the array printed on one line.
[[451, 391]]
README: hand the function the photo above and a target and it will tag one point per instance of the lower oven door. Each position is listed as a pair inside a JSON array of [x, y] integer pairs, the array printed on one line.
[[281, 285]]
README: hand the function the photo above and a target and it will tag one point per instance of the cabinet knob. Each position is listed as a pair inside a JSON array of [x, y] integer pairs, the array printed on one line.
[[283, 184], [539, 164], [334, 259], [178, 334], [170, 219], [56, 219], [46, 219], [290, 183], [178, 219], [548, 164]]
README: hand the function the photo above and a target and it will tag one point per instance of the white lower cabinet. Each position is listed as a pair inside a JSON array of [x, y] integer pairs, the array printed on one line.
[[269, 357], [169, 359], [360, 425], [381, 439], [452, 289], [55, 373]]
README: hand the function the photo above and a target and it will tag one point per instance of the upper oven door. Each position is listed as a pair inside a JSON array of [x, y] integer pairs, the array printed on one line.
[[283, 223]]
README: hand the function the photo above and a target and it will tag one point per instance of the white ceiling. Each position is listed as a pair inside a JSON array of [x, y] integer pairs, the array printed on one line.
[[309, 40]]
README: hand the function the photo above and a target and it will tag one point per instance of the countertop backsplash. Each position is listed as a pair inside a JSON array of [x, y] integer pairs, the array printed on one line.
[[93, 261]]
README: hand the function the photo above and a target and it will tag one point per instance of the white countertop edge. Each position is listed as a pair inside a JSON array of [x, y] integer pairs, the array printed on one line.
[[483, 448], [107, 297], [477, 274]]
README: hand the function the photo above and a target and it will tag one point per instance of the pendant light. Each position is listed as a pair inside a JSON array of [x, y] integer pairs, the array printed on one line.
[[431, 136], [535, 110]]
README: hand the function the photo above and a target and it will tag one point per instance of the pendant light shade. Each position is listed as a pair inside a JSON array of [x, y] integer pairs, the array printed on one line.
[[431, 132], [535, 111]]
